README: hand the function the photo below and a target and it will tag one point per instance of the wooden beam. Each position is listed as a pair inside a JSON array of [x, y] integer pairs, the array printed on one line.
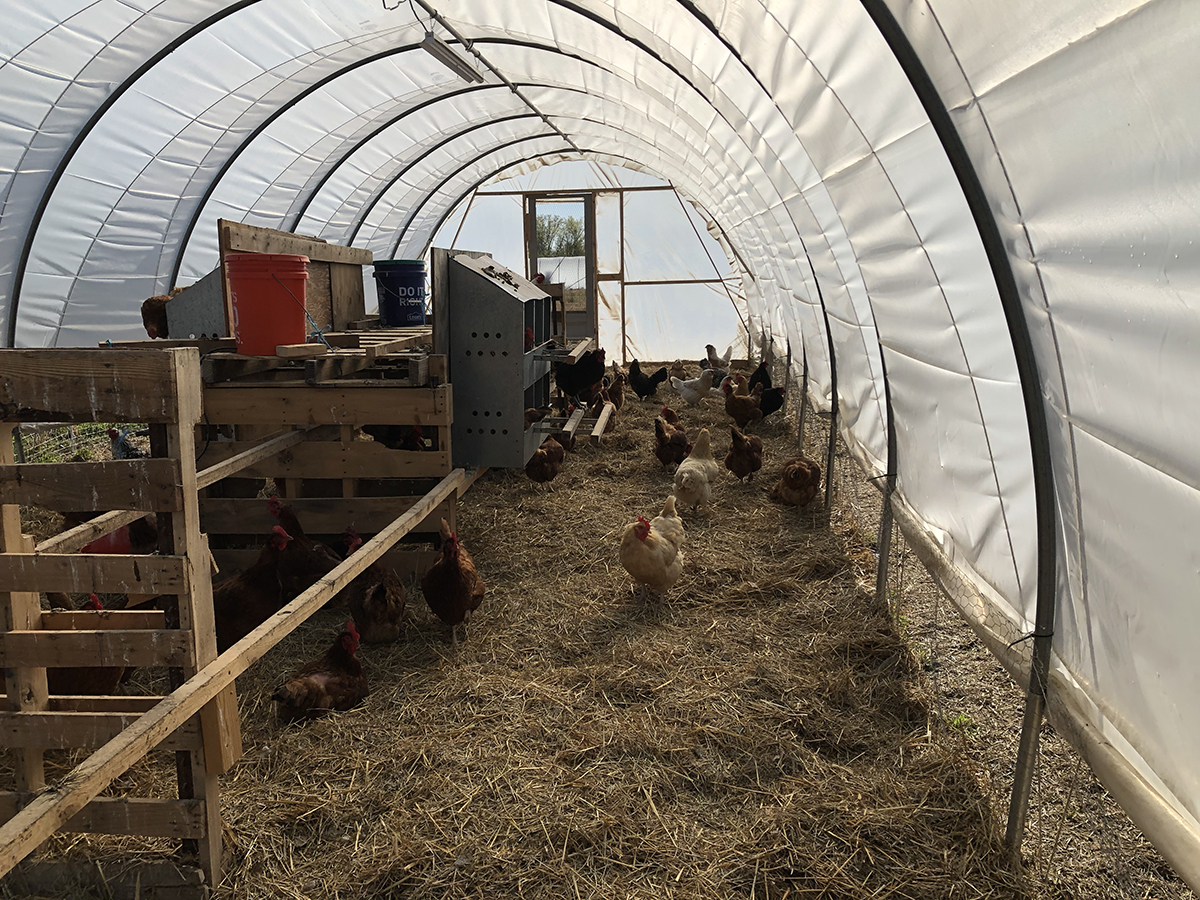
[[89, 385], [246, 456], [105, 619], [100, 647], [338, 459], [252, 239], [578, 350], [231, 403], [300, 351], [82, 535], [84, 730], [112, 573], [602, 423], [404, 559], [101, 703], [51, 810], [145, 484], [318, 515], [346, 294], [574, 421], [124, 815]]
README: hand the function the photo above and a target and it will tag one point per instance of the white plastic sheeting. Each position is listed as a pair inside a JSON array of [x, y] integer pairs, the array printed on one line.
[[794, 129]]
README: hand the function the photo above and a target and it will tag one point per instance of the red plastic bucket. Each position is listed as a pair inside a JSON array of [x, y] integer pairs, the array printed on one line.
[[267, 294]]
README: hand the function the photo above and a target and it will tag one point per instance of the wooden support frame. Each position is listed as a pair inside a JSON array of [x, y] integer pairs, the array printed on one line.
[[51, 811]]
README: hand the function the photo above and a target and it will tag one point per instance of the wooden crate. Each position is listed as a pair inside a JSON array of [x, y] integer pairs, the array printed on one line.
[[333, 478], [161, 388]]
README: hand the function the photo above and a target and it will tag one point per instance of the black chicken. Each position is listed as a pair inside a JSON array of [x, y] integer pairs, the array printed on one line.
[[586, 373], [771, 401], [645, 386], [762, 375]]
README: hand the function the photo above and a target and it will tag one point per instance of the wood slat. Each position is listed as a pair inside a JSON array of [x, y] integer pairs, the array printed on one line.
[[223, 463], [101, 647], [125, 484], [232, 403], [406, 562], [90, 386], [602, 423], [84, 730], [317, 515], [101, 703], [125, 815], [33, 824], [103, 573], [252, 239], [300, 351], [346, 290], [334, 459], [83, 534], [106, 619]]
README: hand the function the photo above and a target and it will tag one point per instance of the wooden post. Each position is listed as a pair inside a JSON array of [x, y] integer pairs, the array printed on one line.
[[22, 611]]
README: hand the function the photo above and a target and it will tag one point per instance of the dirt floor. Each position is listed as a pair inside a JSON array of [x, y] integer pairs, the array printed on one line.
[[769, 731]]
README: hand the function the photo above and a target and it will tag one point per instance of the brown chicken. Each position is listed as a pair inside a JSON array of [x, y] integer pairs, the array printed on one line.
[[245, 601], [304, 560], [335, 681], [671, 444], [742, 407], [745, 455], [615, 393], [452, 586], [799, 483], [376, 599], [89, 680], [546, 462], [597, 408]]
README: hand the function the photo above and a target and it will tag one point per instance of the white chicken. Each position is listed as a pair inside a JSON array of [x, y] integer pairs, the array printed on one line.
[[695, 476], [652, 552], [719, 362], [696, 389]]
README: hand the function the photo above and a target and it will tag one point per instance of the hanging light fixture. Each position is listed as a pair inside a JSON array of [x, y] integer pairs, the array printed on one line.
[[444, 53]]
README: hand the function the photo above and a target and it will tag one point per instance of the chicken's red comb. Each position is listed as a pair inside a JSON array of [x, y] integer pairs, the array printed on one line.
[[351, 629], [274, 505], [642, 520], [94, 602], [278, 529]]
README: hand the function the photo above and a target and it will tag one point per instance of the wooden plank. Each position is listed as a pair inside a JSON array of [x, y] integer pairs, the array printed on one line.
[[245, 457], [97, 647], [86, 730], [219, 367], [109, 619], [346, 288], [318, 301], [131, 881], [335, 459], [100, 703], [252, 239], [88, 385], [300, 351], [342, 340], [82, 535], [32, 825], [578, 350], [202, 345], [439, 371], [602, 423], [124, 815], [25, 688], [318, 515], [365, 323], [145, 484], [327, 404], [114, 573], [405, 560], [574, 421]]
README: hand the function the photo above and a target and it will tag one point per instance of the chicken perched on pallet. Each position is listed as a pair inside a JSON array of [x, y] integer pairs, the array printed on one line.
[[652, 551], [745, 455], [799, 483], [452, 587], [597, 409], [154, 313], [305, 560], [695, 389], [742, 406], [671, 444], [334, 682], [695, 476], [245, 601], [86, 680], [584, 378], [376, 598], [645, 385], [546, 462]]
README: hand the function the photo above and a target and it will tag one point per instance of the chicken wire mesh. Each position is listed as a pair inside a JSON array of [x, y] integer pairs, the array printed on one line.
[[53, 442]]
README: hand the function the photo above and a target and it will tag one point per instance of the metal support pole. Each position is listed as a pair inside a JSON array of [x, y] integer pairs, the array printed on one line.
[[833, 420], [803, 400], [884, 543]]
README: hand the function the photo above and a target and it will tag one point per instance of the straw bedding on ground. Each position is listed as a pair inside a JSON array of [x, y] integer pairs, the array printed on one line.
[[765, 732]]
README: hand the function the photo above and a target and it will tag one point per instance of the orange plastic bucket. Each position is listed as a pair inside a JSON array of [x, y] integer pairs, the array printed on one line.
[[267, 294]]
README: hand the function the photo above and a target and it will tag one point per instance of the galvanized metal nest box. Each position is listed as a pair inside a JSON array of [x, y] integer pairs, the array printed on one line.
[[495, 377]]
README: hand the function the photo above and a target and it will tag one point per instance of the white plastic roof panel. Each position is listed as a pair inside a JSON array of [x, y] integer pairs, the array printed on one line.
[[993, 203]]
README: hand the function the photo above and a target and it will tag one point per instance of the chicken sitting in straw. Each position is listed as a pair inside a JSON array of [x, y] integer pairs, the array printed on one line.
[[652, 551]]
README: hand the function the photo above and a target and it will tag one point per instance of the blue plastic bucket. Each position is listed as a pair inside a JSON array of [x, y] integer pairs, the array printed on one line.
[[400, 284]]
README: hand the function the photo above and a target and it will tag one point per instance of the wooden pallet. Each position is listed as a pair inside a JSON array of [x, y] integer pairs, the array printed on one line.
[[161, 388]]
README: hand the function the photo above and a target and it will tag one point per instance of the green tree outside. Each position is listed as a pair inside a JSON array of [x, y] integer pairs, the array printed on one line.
[[559, 236]]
